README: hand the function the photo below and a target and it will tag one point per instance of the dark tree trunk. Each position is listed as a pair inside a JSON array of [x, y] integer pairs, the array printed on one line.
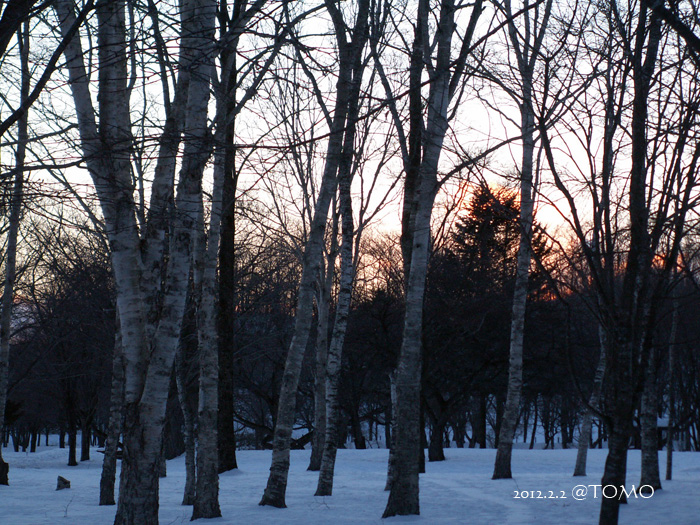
[[534, 425], [671, 391], [480, 422], [227, 296], [391, 464], [435, 450], [85, 436], [615, 473], [387, 426], [72, 445], [356, 425]]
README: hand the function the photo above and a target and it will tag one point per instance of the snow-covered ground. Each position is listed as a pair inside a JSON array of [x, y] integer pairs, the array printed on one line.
[[458, 490]]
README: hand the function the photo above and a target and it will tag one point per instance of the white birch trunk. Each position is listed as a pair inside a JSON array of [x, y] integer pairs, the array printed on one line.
[[403, 496], [138, 502], [206, 504], [406, 442], [323, 306], [148, 360], [188, 431], [277, 482], [526, 51], [335, 351], [587, 424], [116, 402]]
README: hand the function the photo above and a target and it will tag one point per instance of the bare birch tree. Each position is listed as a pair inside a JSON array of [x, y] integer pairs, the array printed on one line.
[[526, 34], [313, 252], [149, 341], [443, 84]]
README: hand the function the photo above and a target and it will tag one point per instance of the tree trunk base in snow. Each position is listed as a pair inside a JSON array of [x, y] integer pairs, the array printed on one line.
[[208, 509], [316, 456], [614, 474], [4, 472], [501, 469], [276, 488], [403, 498]]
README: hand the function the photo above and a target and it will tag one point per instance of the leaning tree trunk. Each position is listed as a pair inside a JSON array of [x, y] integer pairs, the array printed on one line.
[[109, 465], [527, 55], [650, 442], [584, 439], [347, 275], [277, 482], [276, 488], [11, 250]]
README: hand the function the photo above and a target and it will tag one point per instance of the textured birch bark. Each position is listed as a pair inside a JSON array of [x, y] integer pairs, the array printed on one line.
[[335, 351], [11, 249], [206, 504], [527, 53], [347, 270], [107, 153], [274, 494], [142, 443], [403, 496], [188, 427], [109, 465], [587, 424], [323, 306]]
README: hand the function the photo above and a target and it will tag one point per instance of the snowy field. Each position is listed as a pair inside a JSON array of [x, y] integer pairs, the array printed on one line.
[[458, 490]]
